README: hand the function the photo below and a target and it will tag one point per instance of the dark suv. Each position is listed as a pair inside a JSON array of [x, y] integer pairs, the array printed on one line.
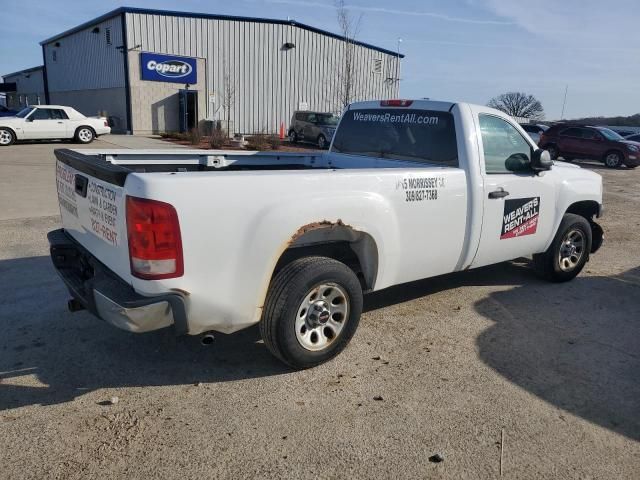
[[597, 143]]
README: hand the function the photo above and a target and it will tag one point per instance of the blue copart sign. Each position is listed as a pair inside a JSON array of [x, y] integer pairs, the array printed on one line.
[[168, 68]]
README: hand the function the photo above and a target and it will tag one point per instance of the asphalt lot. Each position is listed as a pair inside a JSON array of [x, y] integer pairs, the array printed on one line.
[[457, 361]]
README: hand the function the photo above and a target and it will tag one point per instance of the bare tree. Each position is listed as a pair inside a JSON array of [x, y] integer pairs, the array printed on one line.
[[349, 28], [518, 104], [228, 96]]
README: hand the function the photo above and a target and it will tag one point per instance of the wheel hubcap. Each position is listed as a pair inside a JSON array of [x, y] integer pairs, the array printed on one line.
[[321, 142], [571, 250], [321, 316], [5, 137], [85, 135], [612, 160]]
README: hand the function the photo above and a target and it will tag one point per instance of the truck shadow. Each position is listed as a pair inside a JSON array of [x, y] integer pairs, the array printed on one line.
[[50, 356], [574, 345]]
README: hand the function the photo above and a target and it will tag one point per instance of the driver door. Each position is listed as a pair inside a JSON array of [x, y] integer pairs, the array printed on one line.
[[519, 206], [43, 123]]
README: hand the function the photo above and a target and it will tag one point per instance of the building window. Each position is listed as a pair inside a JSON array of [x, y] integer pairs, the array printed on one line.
[[377, 65], [107, 34], [54, 55]]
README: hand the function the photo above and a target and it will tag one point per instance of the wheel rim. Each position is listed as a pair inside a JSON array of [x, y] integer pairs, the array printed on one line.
[[571, 250], [612, 160], [321, 316], [5, 137], [85, 135], [292, 137], [321, 142]]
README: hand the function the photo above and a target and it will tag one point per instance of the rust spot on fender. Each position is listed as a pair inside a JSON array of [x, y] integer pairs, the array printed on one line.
[[315, 226]]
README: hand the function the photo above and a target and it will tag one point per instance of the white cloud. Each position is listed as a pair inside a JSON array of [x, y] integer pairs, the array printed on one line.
[[394, 11]]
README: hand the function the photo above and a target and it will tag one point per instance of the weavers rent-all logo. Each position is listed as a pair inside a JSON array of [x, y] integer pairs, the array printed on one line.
[[520, 217]]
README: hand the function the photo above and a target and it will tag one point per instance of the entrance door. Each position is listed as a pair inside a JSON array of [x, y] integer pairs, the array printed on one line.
[[188, 110]]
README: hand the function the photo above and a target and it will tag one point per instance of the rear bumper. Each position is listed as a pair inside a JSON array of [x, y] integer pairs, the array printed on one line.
[[107, 296]]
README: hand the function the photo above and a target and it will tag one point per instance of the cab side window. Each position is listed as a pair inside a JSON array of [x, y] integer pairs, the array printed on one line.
[[505, 149], [57, 114], [41, 114]]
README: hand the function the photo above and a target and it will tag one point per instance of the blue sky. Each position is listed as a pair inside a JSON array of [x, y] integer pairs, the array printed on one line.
[[461, 50]]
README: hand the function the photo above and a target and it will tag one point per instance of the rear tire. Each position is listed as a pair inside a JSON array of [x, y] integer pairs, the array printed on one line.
[[293, 137], [569, 251], [6, 137], [84, 135], [322, 142], [312, 311], [613, 159]]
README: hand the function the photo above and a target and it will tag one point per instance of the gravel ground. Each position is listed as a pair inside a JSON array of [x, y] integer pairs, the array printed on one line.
[[439, 367]]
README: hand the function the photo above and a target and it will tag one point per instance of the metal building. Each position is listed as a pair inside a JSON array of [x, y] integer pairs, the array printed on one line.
[[29, 88], [153, 70]]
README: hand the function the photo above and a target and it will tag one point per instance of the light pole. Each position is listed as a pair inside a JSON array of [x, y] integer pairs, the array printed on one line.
[[398, 66]]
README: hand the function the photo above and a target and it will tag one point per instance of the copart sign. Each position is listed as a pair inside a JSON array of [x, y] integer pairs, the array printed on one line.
[[168, 68]]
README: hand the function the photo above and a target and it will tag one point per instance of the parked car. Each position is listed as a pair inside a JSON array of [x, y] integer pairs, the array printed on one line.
[[597, 143], [313, 127], [633, 138], [6, 112], [48, 122], [534, 130], [408, 190]]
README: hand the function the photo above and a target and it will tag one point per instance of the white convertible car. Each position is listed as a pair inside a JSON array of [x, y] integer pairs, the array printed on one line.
[[47, 122]]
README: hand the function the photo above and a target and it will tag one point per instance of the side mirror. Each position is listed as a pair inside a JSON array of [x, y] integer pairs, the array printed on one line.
[[541, 160], [28, 119]]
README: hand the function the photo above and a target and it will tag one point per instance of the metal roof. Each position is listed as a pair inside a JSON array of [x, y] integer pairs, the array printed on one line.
[[26, 70], [173, 13]]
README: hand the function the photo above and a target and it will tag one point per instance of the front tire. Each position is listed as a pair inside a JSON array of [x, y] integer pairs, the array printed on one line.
[[312, 311], [84, 135], [569, 251], [6, 137]]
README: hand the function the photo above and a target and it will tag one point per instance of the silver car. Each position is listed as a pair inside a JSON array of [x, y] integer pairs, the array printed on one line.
[[313, 127]]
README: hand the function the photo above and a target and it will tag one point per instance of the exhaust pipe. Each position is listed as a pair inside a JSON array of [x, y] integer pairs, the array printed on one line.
[[74, 305], [207, 339]]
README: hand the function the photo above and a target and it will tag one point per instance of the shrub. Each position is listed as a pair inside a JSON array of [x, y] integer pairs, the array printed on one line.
[[218, 138], [274, 141], [257, 142], [194, 136]]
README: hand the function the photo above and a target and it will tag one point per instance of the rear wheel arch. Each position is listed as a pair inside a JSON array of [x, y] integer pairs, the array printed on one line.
[[93, 130], [354, 248]]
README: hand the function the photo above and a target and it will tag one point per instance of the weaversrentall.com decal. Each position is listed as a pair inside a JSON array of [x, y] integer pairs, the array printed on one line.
[[520, 217]]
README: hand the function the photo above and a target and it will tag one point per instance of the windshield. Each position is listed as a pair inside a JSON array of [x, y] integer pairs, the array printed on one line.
[[327, 119], [610, 134], [418, 135], [24, 112]]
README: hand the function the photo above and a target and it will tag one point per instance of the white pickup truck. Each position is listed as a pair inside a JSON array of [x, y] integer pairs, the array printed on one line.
[[221, 240], [51, 122]]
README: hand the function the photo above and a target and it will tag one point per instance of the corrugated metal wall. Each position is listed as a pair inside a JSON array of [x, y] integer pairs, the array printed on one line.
[[29, 88], [85, 61], [269, 82]]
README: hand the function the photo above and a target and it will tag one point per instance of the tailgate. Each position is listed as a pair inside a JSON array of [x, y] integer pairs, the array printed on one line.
[[92, 206]]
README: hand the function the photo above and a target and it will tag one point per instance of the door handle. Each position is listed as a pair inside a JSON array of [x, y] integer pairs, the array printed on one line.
[[60, 122], [500, 193]]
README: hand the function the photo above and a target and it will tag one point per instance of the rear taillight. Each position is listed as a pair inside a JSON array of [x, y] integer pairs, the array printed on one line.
[[155, 245], [396, 103]]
